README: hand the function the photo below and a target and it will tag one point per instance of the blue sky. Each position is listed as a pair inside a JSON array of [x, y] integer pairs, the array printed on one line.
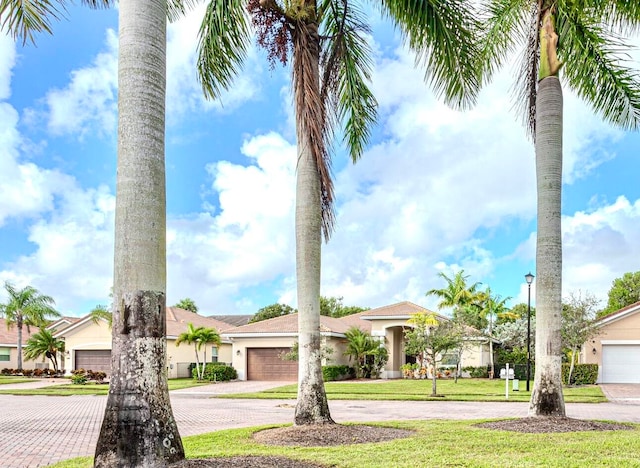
[[436, 191]]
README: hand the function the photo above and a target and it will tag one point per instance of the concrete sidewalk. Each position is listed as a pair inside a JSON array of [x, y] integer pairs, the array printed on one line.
[[40, 430]]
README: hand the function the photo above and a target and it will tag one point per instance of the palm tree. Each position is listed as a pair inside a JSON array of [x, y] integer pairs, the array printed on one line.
[[491, 304], [26, 307], [44, 343], [457, 294], [100, 312], [138, 427], [199, 337], [582, 38], [205, 337], [359, 346], [330, 73]]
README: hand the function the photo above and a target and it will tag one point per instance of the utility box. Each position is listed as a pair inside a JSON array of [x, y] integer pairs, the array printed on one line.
[[516, 385]]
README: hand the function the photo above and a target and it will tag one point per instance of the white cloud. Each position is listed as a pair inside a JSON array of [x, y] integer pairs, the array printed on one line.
[[89, 103], [7, 62]]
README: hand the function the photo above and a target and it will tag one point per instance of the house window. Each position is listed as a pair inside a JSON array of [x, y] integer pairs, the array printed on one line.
[[214, 354], [5, 354]]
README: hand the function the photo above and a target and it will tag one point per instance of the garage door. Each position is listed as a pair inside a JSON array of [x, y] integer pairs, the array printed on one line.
[[266, 364], [95, 360], [620, 363]]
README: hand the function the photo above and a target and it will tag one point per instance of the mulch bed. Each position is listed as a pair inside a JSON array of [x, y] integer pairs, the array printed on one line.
[[549, 424]]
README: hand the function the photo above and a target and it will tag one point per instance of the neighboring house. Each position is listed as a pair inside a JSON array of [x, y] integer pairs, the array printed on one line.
[[9, 347], [616, 349], [88, 344], [62, 323], [258, 347]]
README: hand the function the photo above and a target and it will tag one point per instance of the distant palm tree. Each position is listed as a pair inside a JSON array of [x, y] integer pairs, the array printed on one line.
[[359, 345], [26, 307], [331, 68], [583, 38], [100, 312], [199, 337], [457, 292], [45, 344], [187, 304]]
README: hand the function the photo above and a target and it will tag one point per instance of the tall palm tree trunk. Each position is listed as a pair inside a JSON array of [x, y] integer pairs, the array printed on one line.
[[312, 406], [138, 427], [547, 398], [19, 327]]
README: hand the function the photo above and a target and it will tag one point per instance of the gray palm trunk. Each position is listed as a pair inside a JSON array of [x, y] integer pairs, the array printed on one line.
[[546, 397], [312, 406], [138, 427], [19, 324]]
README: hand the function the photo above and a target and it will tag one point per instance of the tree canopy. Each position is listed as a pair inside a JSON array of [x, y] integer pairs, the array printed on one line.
[[187, 304], [624, 291]]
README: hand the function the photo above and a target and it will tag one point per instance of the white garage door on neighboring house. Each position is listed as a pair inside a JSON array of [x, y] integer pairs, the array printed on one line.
[[620, 363], [95, 360]]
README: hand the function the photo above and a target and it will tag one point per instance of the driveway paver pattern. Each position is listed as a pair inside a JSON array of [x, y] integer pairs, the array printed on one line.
[[40, 430]]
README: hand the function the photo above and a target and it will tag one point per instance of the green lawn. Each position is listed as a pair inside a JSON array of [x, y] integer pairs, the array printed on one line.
[[7, 379], [435, 443], [91, 388], [418, 390]]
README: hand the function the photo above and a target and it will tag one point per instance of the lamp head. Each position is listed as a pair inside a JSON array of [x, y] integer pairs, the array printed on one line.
[[529, 278]]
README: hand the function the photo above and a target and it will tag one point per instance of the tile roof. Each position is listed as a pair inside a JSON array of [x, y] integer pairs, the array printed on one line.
[[235, 320], [9, 337], [618, 314], [287, 324], [401, 309], [178, 320]]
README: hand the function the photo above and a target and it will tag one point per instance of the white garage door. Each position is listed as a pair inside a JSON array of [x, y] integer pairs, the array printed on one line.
[[620, 363]]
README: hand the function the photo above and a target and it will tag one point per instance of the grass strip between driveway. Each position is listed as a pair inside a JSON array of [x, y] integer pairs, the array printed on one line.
[[90, 388], [435, 443], [420, 390]]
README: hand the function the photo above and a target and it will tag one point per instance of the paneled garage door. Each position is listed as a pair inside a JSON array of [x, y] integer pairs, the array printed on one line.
[[266, 364], [95, 360], [620, 363]]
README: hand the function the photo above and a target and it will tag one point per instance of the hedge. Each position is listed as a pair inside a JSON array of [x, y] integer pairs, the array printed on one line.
[[583, 374], [214, 371], [330, 373]]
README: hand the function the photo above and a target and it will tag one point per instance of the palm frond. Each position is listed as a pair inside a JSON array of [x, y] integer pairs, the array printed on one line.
[[310, 113], [526, 85], [597, 71], [506, 26], [346, 62], [444, 35], [624, 15], [176, 9], [224, 38]]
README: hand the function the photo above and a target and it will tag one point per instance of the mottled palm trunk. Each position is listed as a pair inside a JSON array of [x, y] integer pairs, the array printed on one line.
[[138, 427], [546, 397], [312, 406]]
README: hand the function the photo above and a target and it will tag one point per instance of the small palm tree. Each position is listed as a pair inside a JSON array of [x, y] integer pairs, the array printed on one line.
[[44, 344], [457, 292], [26, 307], [360, 344], [208, 336], [199, 337]]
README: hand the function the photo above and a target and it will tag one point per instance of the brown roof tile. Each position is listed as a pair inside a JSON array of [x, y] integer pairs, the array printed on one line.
[[9, 337], [401, 309], [178, 320], [289, 324]]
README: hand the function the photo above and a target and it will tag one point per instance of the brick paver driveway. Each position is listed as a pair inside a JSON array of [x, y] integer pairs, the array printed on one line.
[[40, 430]]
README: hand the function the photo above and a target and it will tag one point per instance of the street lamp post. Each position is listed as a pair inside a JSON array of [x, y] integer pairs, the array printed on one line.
[[529, 279]]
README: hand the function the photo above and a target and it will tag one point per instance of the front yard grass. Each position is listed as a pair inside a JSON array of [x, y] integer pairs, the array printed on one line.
[[90, 388], [420, 390], [435, 443], [8, 379]]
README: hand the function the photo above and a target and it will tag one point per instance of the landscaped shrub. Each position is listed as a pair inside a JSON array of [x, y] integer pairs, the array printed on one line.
[[6, 371], [78, 379], [583, 374], [334, 372], [217, 372], [481, 372]]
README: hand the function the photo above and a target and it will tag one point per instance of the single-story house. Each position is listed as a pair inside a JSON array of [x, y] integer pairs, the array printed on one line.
[[616, 349], [257, 347], [9, 347], [88, 343]]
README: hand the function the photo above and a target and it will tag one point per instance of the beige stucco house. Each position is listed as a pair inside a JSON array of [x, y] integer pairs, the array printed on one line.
[[9, 347], [257, 347], [616, 349], [88, 343]]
